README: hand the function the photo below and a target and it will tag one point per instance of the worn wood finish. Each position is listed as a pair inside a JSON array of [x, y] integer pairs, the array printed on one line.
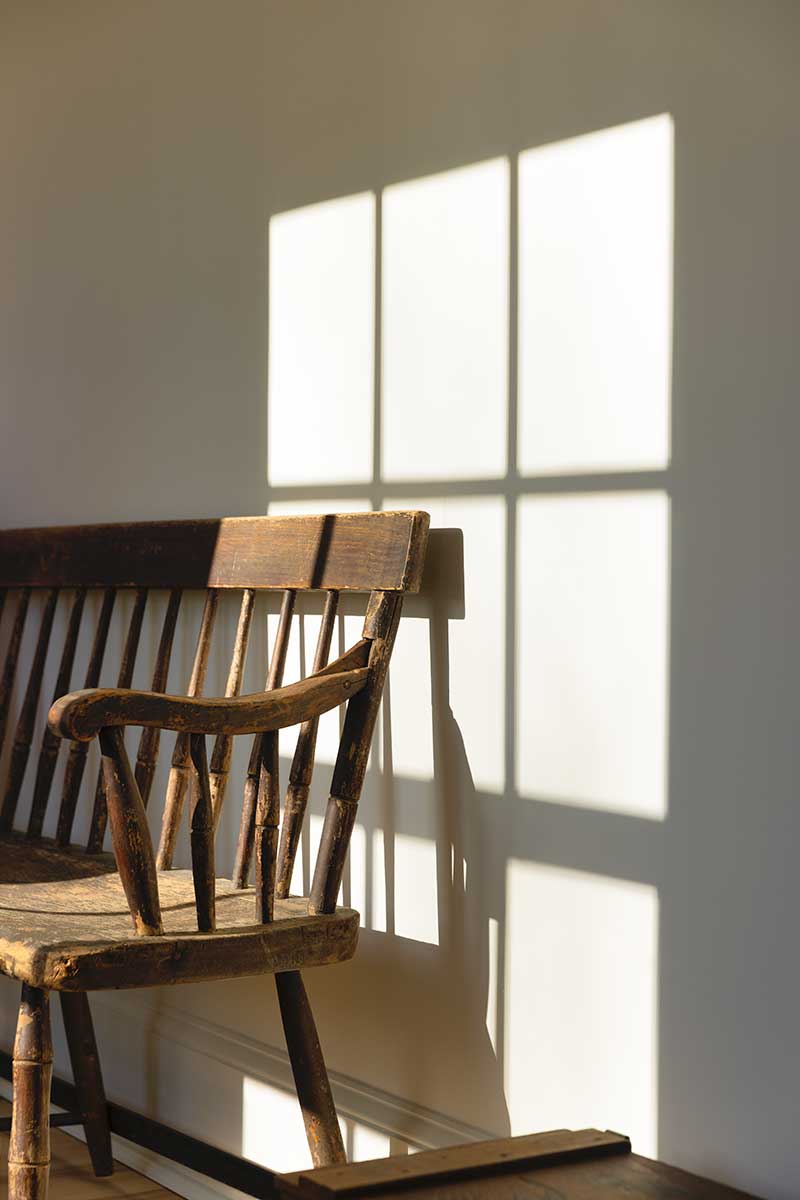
[[85, 1062], [308, 1068], [48, 755], [75, 934], [559, 1165], [130, 835], [223, 744], [10, 663], [470, 1161], [76, 760], [277, 664], [359, 552], [267, 820], [97, 825], [147, 755], [302, 768], [24, 732], [29, 1145], [77, 921], [380, 626], [202, 836], [179, 774], [83, 714]]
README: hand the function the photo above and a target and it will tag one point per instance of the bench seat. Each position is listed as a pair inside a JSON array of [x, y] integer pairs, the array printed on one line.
[[68, 927]]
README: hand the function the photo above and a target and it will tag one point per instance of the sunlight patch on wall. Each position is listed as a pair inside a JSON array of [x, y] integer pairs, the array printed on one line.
[[273, 1134], [595, 300], [593, 651], [468, 664], [321, 342], [445, 324], [416, 913], [581, 992]]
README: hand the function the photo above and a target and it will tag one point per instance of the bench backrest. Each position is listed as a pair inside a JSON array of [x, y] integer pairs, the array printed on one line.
[[378, 553]]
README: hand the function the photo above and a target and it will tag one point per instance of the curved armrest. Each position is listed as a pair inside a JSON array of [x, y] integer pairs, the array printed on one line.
[[81, 715]]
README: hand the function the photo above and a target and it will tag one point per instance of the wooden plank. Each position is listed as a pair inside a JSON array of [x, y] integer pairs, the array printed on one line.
[[475, 1159], [349, 551]]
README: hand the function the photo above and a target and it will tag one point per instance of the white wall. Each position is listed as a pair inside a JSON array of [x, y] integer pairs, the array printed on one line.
[[575, 854]]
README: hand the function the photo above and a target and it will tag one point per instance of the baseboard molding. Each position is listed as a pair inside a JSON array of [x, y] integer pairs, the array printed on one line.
[[421, 1127]]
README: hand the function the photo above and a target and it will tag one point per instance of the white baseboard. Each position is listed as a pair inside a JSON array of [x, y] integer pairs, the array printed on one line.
[[362, 1103], [422, 1127]]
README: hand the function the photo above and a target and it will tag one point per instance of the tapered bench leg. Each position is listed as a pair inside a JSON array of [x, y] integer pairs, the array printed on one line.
[[88, 1079], [308, 1068], [29, 1146]]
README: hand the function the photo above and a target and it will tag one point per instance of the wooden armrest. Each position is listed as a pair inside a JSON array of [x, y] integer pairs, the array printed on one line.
[[81, 715]]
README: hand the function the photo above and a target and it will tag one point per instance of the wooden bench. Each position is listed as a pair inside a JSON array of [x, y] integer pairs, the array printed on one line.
[[76, 919]]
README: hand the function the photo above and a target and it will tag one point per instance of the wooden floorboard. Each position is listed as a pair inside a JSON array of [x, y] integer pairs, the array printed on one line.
[[71, 1176]]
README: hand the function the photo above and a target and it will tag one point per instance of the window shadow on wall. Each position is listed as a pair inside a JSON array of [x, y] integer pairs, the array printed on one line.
[[493, 344]]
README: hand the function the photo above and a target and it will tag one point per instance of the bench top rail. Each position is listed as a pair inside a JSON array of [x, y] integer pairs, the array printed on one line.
[[358, 552]]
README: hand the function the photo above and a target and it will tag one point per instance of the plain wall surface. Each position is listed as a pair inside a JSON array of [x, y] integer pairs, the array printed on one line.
[[616, 951]]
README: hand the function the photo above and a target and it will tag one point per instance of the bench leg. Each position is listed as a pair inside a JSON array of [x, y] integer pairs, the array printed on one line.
[[310, 1074], [88, 1079], [29, 1145]]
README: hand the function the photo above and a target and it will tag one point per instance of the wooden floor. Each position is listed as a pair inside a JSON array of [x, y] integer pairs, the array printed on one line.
[[71, 1176]]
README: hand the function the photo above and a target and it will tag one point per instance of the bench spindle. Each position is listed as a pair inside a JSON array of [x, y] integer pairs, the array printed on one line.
[[302, 768], [48, 755], [223, 743], [244, 848], [202, 836], [147, 755], [76, 761], [130, 835], [12, 654], [179, 770], [97, 826], [380, 626], [23, 735]]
